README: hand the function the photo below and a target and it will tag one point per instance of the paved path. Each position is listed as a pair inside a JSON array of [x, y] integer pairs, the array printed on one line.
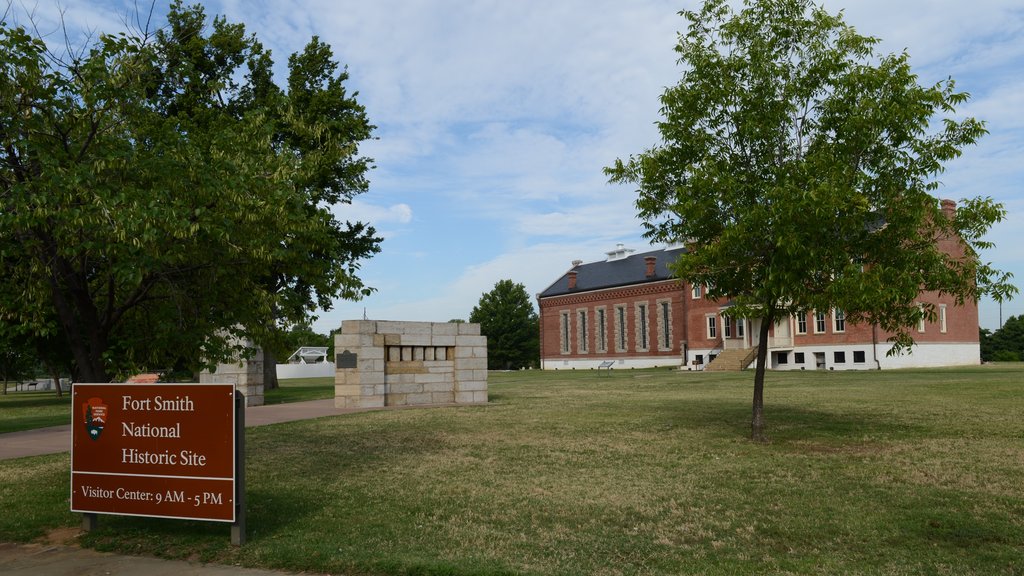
[[56, 560], [61, 560], [58, 438]]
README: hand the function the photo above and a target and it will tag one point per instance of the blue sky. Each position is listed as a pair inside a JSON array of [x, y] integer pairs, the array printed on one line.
[[496, 117]]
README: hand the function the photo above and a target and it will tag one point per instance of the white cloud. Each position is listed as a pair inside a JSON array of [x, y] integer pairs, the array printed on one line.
[[362, 211], [495, 120]]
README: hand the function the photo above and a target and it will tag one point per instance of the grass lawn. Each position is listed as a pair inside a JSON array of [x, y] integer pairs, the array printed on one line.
[[300, 390], [633, 472], [29, 410]]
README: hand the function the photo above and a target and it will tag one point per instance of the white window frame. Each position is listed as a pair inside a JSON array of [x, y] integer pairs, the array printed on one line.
[[942, 318], [801, 323], [696, 291], [711, 326], [838, 321], [819, 323]]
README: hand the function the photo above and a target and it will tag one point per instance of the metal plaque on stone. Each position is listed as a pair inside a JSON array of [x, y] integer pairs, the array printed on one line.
[[346, 360]]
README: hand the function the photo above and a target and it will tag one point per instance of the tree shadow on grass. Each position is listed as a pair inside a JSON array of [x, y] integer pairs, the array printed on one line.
[[787, 423], [36, 401]]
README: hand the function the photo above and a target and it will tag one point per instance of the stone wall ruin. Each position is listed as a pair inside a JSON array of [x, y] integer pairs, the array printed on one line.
[[382, 363]]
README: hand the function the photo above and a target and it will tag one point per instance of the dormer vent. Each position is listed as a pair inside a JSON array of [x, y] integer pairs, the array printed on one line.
[[619, 253]]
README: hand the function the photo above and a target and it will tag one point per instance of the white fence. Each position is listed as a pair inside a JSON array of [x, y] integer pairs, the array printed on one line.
[[318, 370]]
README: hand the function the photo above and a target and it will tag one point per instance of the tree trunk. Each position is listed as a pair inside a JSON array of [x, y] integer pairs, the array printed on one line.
[[269, 370], [758, 432], [78, 319], [56, 382]]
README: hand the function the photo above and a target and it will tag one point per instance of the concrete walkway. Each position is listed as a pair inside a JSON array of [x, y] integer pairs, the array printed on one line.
[[58, 438], [61, 559], [58, 560]]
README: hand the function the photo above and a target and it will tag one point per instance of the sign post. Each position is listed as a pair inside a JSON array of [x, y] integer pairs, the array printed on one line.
[[160, 450]]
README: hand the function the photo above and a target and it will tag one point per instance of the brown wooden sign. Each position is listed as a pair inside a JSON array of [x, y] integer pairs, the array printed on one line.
[[165, 450]]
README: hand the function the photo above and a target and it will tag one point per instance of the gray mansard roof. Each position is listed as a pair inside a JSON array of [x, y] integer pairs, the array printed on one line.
[[615, 272]]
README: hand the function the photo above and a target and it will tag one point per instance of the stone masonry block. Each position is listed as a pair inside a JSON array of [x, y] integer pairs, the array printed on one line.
[[346, 377], [416, 340], [371, 365], [398, 399], [419, 399], [471, 397], [445, 329], [371, 401], [406, 388], [470, 352], [471, 364], [440, 367], [442, 397], [469, 329], [221, 378], [359, 326], [403, 328], [442, 340], [471, 341], [394, 368], [438, 386], [347, 390], [472, 386], [373, 353]]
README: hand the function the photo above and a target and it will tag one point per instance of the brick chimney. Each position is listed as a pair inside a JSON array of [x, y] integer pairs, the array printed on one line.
[[650, 261], [572, 279], [948, 208]]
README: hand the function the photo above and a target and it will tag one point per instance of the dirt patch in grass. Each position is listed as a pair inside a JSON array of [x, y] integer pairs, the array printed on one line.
[[64, 536]]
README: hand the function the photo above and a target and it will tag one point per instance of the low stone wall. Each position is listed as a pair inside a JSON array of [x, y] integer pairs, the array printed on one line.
[[384, 363]]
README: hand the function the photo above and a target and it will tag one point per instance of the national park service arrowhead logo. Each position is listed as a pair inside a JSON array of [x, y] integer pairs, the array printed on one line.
[[94, 413]]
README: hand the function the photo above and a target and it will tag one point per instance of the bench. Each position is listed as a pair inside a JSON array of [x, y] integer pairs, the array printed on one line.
[[607, 365]]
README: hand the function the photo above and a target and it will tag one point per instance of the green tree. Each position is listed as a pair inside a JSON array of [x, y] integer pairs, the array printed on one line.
[[160, 195], [17, 360], [1007, 343], [798, 163], [296, 336], [985, 344], [508, 319]]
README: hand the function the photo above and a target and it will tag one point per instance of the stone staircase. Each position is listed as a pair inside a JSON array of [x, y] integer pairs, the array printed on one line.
[[732, 360]]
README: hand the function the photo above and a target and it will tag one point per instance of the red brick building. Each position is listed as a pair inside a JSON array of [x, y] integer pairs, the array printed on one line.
[[629, 310]]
